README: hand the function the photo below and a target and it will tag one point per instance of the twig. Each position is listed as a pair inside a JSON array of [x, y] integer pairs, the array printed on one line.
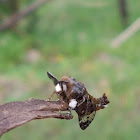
[[15, 114], [126, 34], [10, 21]]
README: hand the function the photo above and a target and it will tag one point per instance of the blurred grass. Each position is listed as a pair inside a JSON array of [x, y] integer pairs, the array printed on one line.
[[72, 38]]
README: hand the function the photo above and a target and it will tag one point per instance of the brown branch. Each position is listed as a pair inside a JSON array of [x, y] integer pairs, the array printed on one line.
[[15, 114], [126, 34], [11, 21]]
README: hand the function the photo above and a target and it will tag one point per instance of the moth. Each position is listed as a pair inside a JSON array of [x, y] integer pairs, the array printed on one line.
[[73, 92]]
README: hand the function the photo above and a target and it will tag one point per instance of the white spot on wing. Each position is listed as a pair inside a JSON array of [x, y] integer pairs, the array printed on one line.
[[58, 88], [72, 103], [105, 105]]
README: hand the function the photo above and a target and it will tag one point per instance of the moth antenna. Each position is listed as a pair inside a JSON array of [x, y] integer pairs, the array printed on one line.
[[53, 78]]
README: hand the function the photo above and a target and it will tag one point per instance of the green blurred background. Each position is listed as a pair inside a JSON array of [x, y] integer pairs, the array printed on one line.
[[68, 37]]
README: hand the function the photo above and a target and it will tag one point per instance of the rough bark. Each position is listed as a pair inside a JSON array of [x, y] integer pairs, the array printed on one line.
[[15, 114]]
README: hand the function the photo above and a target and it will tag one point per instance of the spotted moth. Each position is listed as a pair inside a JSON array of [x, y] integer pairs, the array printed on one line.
[[75, 94]]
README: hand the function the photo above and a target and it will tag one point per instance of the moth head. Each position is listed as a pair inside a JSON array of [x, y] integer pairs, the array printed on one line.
[[66, 78], [60, 86]]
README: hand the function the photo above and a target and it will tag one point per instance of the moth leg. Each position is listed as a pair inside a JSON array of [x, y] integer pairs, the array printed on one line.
[[58, 97], [61, 105], [52, 95], [60, 112], [69, 111]]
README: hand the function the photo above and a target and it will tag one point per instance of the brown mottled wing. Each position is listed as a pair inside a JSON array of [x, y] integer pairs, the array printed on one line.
[[86, 112]]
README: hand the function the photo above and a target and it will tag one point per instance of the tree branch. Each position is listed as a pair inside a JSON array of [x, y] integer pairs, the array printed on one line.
[[11, 21], [15, 114], [126, 34]]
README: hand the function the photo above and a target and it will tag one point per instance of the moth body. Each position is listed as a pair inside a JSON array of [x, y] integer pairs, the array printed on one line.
[[75, 94]]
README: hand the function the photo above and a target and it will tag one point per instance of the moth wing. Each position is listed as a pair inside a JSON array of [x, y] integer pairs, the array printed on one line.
[[85, 120], [86, 113]]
